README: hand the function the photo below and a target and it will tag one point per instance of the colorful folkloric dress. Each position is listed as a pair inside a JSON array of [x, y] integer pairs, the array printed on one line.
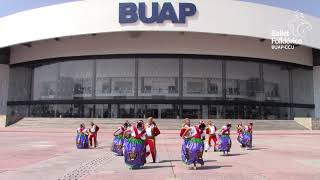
[[250, 135], [184, 143], [82, 140], [195, 147], [211, 131], [134, 148], [240, 135], [224, 142], [117, 146]]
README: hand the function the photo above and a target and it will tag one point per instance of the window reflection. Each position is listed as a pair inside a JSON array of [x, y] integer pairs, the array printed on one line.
[[158, 77], [202, 78], [276, 83], [75, 79], [115, 77], [243, 80]]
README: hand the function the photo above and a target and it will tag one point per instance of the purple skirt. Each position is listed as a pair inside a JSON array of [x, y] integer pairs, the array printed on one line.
[[117, 146], [224, 143], [183, 150], [134, 153], [82, 141], [194, 151]]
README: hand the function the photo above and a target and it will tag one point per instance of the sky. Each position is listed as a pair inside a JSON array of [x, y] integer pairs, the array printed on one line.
[[311, 7]]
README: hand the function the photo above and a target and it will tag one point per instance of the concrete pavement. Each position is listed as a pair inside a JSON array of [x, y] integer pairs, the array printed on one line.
[[51, 154]]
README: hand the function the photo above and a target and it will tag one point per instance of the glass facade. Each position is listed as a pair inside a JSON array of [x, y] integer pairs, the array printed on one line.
[[162, 88]]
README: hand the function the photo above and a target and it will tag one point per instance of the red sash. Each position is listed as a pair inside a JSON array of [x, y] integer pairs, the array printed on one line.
[[182, 131], [138, 136], [198, 134]]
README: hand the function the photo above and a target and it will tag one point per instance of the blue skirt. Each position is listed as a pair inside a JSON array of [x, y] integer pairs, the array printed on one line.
[[184, 150], [134, 153], [224, 143], [245, 140], [82, 141], [195, 148], [117, 146]]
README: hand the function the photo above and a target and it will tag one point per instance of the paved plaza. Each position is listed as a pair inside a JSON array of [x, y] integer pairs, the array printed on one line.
[[51, 154]]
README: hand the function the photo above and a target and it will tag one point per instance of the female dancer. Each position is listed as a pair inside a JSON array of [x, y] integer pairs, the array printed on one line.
[[186, 138], [195, 146], [224, 142], [240, 134], [250, 132], [134, 148], [82, 140], [117, 146]]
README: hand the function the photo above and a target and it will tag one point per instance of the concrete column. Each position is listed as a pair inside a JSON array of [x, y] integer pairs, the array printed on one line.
[[316, 90], [4, 86]]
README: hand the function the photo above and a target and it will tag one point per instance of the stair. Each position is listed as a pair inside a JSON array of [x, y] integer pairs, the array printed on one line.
[[165, 124]]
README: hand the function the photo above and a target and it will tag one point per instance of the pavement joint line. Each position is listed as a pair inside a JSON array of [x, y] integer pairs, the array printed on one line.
[[88, 167]]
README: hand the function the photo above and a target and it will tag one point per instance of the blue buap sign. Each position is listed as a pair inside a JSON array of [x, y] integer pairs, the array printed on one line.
[[131, 13]]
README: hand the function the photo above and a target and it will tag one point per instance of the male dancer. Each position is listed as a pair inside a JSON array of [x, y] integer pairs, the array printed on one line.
[[211, 131], [93, 135], [151, 132]]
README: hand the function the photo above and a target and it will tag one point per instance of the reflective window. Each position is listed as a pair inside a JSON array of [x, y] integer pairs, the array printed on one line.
[[202, 78], [45, 82], [275, 113], [243, 80], [302, 86], [75, 79], [102, 111], [20, 84], [18, 111], [276, 83], [158, 77], [126, 111], [302, 112], [215, 112], [191, 111], [115, 77], [43, 110], [64, 110]]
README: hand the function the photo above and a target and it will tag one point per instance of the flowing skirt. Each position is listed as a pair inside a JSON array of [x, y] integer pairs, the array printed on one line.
[[134, 153], [117, 146], [184, 155], [82, 141], [250, 140], [224, 143], [194, 151]]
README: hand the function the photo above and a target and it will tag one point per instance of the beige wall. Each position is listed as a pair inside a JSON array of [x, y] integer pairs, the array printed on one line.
[[158, 42], [100, 16]]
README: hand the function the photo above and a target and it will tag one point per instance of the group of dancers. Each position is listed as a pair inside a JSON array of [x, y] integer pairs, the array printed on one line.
[[194, 144], [87, 137], [137, 141]]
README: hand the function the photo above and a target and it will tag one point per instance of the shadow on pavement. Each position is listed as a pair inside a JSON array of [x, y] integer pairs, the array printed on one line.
[[154, 167], [236, 154], [212, 167], [210, 161], [256, 149], [165, 161]]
